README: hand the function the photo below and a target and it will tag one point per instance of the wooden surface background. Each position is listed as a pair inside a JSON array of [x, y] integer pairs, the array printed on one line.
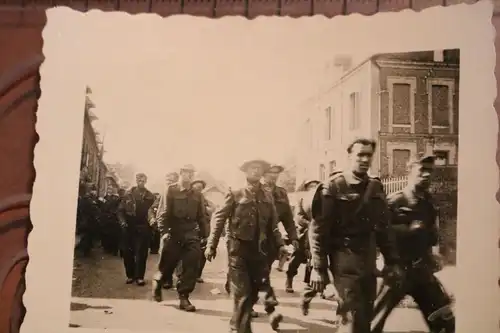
[[21, 24]]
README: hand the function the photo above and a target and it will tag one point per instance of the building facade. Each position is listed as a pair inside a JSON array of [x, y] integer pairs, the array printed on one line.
[[408, 102]]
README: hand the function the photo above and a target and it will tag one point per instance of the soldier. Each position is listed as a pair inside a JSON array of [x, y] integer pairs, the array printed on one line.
[[284, 209], [198, 186], [252, 220], [90, 210], [350, 219], [133, 217], [110, 225], [302, 255], [414, 220], [155, 235], [170, 178], [182, 224]]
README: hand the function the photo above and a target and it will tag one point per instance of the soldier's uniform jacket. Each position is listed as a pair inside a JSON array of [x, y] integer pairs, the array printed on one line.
[[302, 219], [110, 205], [251, 215], [408, 208], [350, 214], [128, 205], [284, 210], [183, 211]]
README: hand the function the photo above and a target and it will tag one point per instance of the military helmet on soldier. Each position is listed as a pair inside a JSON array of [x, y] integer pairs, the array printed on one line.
[[263, 164]]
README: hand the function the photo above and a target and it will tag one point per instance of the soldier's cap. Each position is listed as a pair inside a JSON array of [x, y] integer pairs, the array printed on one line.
[[199, 181], [140, 175], [275, 168], [264, 164], [421, 159], [310, 181], [188, 167]]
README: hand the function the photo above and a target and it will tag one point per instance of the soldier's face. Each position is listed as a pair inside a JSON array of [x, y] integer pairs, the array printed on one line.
[[110, 191], [172, 179], [421, 174], [187, 175], [141, 181], [198, 187], [254, 172], [271, 177], [361, 157]]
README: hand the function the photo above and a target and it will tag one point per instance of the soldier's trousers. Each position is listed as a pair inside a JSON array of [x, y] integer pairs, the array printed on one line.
[[298, 258], [155, 241], [428, 293], [203, 261], [135, 250], [249, 273], [185, 250]]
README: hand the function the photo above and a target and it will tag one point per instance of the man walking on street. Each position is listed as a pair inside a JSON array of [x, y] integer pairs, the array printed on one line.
[[415, 222], [350, 218], [252, 220], [182, 224], [285, 215], [198, 186], [133, 217], [170, 179], [110, 226], [302, 255]]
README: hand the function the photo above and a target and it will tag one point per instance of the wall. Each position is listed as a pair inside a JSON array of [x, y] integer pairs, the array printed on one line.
[[337, 96], [421, 140]]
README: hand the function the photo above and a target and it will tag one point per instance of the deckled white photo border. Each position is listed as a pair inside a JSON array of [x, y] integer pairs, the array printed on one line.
[[60, 115]]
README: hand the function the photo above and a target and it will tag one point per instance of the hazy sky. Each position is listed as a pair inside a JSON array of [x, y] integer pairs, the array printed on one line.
[[169, 94]]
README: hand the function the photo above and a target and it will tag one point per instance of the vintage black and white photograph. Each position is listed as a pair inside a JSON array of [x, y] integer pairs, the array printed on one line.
[[263, 181]]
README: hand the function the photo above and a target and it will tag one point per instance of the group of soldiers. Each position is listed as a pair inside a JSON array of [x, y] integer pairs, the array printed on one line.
[[336, 229]]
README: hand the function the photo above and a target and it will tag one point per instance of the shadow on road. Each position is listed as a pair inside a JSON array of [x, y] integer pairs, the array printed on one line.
[[82, 307]]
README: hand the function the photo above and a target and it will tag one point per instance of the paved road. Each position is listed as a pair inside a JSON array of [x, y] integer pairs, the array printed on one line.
[[101, 299]]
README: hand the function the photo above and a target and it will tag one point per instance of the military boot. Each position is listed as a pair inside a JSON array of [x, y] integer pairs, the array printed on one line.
[[157, 295], [275, 319], [289, 285], [186, 305]]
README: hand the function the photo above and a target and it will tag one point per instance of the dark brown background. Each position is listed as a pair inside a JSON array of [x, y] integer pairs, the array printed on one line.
[[21, 24]]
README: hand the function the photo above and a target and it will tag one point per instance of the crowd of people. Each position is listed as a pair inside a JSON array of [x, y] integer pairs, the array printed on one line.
[[336, 230]]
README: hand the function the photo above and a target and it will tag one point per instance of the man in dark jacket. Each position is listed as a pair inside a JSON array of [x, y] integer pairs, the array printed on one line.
[[350, 218], [415, 222], [110, 226], [133, 218], [302, 254], [252, 221], [182, 224]]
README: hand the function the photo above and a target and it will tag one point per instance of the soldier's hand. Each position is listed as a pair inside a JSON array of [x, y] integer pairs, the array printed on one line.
[[295, 244], [318, 281], [210, 254]]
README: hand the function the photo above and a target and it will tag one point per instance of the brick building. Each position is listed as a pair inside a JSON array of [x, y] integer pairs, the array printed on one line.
[[407, 101]]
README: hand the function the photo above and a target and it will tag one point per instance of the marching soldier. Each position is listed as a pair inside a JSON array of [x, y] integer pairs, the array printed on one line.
[[302, 255], [198, 186], [252, 220], [133, 217], [414, 220], [111, 227], [170, 179], [182, 224], [284, 209], [350, 219]]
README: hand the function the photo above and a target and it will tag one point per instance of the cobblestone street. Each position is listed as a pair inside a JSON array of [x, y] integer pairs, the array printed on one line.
[[101, 299]]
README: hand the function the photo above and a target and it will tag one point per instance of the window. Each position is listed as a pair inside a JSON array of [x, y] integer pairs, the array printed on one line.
[[333, 166], [401, 103], [355, 117], [400, 159], [328, 123], [442, 157], [440, 103], [322, 172]]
